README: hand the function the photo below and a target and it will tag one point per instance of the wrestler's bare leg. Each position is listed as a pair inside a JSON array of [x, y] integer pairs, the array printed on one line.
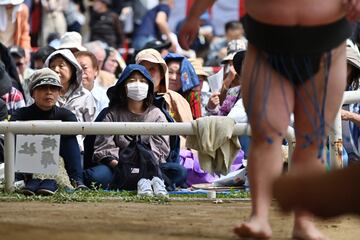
[[305, 157], [266, 156], [265, 163]]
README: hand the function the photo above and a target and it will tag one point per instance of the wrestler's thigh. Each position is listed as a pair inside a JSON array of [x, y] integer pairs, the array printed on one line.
[[268, 97], [309, 97]]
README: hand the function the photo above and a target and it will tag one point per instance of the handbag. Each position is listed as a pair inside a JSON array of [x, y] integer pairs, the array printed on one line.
[[136, 161]]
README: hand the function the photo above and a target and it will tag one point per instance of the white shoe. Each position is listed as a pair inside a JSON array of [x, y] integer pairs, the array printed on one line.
[[159, 187], [144, 187]]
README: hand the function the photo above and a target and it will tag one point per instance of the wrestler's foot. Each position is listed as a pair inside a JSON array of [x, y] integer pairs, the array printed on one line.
[[254, 228], [306, 230]]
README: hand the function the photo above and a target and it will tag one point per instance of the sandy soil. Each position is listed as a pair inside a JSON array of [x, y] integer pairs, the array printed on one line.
[[120, 220]]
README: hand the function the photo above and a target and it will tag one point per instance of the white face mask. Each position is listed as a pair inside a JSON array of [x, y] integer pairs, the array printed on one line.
[[137, 91]]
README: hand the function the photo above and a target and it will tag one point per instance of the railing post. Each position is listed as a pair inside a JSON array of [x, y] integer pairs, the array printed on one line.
[[9, 155], [290, 137], [336, 143], [291, 147]]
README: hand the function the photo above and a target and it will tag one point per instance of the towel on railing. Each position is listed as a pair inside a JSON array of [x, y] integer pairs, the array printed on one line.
[[216, 146]]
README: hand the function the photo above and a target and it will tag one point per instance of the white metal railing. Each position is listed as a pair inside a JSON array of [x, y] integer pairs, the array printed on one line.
[[10, 129]]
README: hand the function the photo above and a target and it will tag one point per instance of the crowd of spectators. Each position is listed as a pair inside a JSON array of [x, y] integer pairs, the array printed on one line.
[[119, 61]]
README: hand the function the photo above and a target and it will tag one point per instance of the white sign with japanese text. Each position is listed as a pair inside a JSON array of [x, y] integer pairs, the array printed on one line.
[[37, 154]]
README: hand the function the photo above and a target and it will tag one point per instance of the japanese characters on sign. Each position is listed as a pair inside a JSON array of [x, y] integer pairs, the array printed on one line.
[[37, 153]]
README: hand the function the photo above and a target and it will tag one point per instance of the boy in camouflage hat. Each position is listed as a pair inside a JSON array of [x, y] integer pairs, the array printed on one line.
[[45, 88]]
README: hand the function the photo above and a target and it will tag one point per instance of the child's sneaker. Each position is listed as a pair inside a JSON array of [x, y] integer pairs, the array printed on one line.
[[79, 185], [47, 187], [144, 187], [31, 187], [159, 187]]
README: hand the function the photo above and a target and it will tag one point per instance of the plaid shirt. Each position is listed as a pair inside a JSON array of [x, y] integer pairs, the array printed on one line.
[[14, 100]]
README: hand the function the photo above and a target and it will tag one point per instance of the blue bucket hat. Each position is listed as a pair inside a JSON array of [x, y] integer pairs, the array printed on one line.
[[188, 77]]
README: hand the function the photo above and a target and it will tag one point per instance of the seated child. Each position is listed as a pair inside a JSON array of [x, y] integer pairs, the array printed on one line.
[[131, 100], [45, 88]]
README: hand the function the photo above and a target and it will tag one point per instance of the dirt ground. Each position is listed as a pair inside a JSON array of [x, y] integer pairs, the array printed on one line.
[[121, 220]]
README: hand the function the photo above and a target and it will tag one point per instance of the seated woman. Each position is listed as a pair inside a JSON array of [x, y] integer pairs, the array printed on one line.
[[73, 96], [220, 103], [90, 80], [131, 100], [183, 79], [45, 89], [177, 105], [350, 113]]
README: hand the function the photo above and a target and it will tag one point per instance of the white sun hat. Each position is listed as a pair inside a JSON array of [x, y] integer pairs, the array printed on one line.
[[13, 2], [71, 40], [352, 54]]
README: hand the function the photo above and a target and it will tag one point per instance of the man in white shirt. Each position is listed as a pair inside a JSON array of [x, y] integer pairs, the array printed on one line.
[[89, 64]]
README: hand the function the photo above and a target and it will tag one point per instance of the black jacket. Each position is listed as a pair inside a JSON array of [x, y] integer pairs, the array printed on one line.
[[106, 27], [10, 67]]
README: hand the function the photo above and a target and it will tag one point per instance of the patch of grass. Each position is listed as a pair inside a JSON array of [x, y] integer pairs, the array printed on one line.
[[62, 196], [98, 195]]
